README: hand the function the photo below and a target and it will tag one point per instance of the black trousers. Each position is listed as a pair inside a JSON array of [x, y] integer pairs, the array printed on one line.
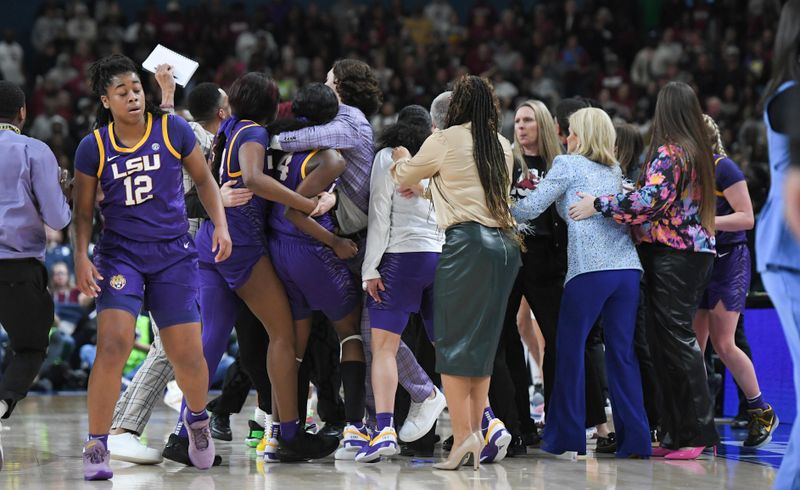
[[674, 282], [26, 313], [651, 389], [253, 345], [541, 282], [235, 389], [741, 342], [322, 368]]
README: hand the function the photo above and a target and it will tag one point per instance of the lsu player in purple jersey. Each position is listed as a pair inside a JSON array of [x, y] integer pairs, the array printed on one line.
[[309, 258], [145, 255], [240, 154]]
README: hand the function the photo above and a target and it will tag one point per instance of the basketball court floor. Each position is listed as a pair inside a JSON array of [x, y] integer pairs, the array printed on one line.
[[42, 450]]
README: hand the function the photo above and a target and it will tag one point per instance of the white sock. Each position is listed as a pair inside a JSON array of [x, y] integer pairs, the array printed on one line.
[[3, 407]]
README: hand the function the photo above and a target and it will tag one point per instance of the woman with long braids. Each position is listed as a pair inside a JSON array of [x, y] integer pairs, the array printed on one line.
[[672, 214], [724, 298], [240, 154], [145, 256], [469, 165]]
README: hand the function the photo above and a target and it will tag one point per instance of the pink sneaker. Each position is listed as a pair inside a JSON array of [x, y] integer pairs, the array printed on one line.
[[201, 446]]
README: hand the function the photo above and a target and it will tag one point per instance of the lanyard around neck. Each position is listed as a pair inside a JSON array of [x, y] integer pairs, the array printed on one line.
[[9, 127]]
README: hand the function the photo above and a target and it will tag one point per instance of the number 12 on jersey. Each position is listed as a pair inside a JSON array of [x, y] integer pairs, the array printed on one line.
[[137, 189]]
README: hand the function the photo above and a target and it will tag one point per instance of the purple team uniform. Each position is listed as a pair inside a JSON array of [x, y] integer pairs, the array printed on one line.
[[145, 254], [408, 282], [246, 222], [314, 277], [730, 276]]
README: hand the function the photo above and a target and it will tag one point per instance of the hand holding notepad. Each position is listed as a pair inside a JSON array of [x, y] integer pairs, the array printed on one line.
[[182, 67]]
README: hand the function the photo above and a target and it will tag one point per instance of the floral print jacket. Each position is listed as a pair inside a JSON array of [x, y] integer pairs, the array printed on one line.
[[666, 209]]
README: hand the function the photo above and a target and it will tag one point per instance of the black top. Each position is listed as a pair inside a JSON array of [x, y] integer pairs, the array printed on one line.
[[194, 208], [548, 227]]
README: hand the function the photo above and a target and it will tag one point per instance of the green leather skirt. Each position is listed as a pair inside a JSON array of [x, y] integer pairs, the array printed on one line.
[[474, 277]]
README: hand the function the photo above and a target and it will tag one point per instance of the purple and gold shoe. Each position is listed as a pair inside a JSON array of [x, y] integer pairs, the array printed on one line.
[[201, 446], [96, 461], [497, 439], [354, 439], [383, 443]]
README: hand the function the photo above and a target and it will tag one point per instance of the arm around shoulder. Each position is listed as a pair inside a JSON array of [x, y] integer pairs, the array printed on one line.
[[425, 164]]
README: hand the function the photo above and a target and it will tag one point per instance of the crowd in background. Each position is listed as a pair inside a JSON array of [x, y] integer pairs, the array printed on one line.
[[613, 52]]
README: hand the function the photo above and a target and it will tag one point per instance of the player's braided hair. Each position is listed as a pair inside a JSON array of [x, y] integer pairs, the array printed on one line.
[[713, 136], [474, 101], [101, 72]]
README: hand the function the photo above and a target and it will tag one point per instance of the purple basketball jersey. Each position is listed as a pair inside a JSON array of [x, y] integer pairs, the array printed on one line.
[[727, 173], [142, 185], [291, 171], [245, 222]]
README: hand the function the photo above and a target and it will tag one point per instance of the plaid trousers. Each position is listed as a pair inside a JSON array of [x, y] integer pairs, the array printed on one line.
[[135, 405]]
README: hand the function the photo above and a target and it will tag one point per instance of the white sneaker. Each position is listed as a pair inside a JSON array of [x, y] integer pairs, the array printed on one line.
[[422, 416], [383, 443], [270, 450], [127, 447], [353, 440], [174, 396]]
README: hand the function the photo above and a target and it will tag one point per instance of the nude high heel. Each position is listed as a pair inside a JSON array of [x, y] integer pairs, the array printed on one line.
[[471, 445]]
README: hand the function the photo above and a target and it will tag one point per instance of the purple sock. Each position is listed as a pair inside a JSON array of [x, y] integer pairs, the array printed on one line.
[[757, 402], [99, 437], [276, 430], [289, 430], [192, 417], [384, 420], [488, 415]]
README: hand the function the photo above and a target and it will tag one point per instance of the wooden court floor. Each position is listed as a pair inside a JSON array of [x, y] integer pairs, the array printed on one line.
[[42, 450]]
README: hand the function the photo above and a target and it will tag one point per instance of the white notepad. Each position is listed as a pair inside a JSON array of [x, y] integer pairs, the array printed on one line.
[[182, 67]]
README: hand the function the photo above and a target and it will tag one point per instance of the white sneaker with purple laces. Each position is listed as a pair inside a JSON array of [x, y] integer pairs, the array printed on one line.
[[383, 443]]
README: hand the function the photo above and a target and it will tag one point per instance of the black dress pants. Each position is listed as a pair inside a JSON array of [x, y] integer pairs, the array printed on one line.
[[651, 389], [541, 282], [26, 313], [322, 368], [253, 345], [675, 280], [235, 389]]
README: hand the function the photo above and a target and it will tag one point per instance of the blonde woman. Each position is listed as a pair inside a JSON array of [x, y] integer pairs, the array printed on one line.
[[602, 280], [724, 298], [541, 279]]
